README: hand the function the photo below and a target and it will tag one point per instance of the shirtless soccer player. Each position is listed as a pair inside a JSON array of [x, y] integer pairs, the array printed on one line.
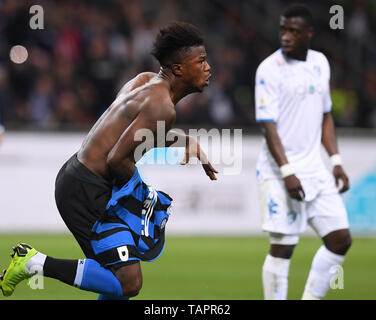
[[116, 218], [293, 106]]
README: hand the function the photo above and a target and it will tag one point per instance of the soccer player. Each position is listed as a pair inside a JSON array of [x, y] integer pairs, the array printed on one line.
[[117, 219], [293, 104]]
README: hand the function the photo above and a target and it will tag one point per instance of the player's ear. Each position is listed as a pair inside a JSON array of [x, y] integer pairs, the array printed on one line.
[[177, 69]]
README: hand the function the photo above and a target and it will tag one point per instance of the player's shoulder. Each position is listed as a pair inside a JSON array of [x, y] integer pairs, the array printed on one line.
[[272, 62], [141, 79], [318, 57], [145, 76], [158, 102], [136, 82]]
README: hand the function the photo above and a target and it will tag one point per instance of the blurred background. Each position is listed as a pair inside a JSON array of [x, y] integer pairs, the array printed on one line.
[[89, 49], [74, 69]]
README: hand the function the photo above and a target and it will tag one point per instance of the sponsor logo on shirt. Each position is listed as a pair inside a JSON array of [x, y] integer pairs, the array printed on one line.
[[317, 70]]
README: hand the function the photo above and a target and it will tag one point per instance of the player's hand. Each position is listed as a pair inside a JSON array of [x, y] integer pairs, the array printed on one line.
[[340, 176], [294, 188], [209, 170], [193, 149]]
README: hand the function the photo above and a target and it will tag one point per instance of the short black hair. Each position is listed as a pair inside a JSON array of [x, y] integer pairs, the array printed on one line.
[[175, 38], [299, 10]]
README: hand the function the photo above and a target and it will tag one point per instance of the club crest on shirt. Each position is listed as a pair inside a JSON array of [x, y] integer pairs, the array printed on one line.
[[317, 70]]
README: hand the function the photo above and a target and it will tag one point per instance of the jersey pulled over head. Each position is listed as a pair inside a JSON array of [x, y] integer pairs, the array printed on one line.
[[179, 48]]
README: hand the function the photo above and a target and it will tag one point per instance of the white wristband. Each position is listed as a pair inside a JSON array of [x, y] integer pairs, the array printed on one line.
[[286, 170], [336, 160]]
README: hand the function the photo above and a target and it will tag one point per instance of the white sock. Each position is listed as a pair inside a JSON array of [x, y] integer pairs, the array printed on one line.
[[307, 295], [322, 271], [36, 263], [275, 273]]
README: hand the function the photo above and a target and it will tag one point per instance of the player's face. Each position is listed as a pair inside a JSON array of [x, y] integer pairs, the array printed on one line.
[[196, 70], [294, 34]]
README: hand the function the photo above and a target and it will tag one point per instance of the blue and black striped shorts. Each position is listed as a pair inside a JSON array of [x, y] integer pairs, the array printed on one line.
[[133, 228]]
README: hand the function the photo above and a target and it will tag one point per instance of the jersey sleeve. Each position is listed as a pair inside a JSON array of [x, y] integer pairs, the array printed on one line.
[[266, 95], [327, 100]]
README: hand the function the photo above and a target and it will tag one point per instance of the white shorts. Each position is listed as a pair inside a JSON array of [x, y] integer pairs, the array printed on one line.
[[323, 208]]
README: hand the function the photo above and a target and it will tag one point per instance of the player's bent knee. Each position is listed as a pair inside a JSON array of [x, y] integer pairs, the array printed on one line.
[[340, 248], [281, 251], [339, 242], [346, 244], [130, 278], [132, 287]]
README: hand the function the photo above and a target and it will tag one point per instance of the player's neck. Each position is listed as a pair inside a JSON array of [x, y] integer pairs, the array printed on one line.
[[300, 55], [177, 89]]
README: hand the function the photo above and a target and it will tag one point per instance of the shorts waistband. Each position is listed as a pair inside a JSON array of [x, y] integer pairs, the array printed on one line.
[[78, 169]]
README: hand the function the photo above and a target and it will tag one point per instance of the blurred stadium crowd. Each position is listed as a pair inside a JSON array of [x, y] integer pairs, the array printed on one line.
[[89, 49]]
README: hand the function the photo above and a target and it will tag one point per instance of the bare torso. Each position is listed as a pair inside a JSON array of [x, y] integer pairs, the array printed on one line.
[[133, 100]]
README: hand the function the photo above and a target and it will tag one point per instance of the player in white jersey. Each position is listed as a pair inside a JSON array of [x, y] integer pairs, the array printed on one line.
[[293, 104]]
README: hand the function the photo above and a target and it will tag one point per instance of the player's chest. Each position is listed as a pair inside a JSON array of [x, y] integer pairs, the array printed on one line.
[[302, 81]]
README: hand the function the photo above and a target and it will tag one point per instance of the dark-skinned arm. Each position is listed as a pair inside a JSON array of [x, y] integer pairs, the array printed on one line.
[[292, 183], [121, 159], [329, 141], [192, 149]]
